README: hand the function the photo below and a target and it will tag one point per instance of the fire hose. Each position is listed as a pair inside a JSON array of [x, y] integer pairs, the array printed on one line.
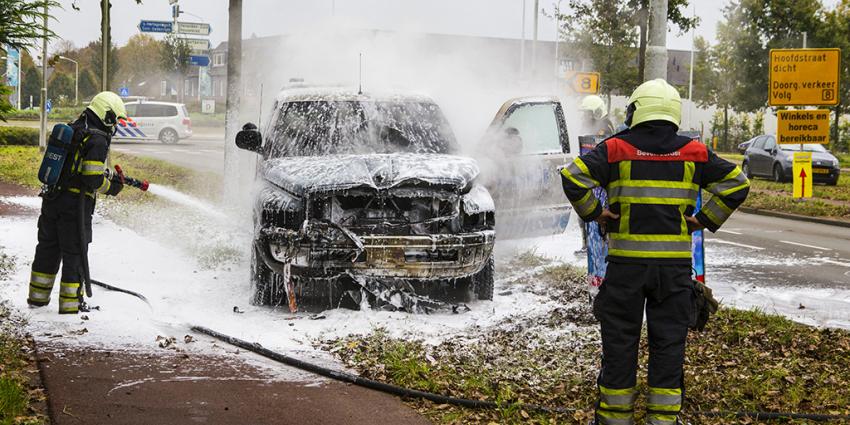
[[478, 404], [84, 243]]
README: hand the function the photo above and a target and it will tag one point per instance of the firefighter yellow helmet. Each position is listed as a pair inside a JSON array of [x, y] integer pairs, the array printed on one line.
[[595, 105], [109, 107], [654, 100]]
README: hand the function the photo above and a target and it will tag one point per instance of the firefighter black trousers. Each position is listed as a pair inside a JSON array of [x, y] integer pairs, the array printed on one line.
[[59, 236], [668, 296]]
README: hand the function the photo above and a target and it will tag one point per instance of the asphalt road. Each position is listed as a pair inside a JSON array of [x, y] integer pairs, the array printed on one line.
[[204, 151], [768, 251]]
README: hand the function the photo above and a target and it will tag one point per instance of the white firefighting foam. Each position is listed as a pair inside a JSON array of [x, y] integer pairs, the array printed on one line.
[[182, 293]]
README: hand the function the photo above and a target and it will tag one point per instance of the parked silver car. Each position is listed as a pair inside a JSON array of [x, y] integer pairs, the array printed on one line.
[[765, 158]]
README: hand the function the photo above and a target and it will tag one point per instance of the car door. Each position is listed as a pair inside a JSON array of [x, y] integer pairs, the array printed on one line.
[[127, 129], [755, 156], [769, 155], [521, 152]]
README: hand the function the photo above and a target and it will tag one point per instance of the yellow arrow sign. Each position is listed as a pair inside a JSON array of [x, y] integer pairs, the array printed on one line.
[[802, 174]]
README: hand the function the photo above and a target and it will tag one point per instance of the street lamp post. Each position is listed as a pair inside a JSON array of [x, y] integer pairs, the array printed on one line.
[[76, 79]]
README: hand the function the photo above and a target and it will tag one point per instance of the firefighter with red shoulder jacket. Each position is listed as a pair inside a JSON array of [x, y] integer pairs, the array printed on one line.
[[652, 176], [60, 237]]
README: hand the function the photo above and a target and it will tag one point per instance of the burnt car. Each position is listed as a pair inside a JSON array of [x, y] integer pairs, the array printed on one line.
[[362, 198]]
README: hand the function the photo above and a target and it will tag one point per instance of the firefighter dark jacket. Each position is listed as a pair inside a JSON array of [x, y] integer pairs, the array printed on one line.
[[89, 161], [652, 177]]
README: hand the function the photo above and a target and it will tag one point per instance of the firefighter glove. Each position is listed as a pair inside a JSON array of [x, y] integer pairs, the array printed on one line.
[[706, 305], [115, 185]]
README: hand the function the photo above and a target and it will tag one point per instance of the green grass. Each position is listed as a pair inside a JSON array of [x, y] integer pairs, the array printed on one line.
[[843, 159], [840, 192], [745, 360], [19, 165], [16, 364]]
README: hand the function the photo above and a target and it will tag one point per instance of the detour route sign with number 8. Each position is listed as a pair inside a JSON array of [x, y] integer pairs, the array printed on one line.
[[584, 82], [801, 77]]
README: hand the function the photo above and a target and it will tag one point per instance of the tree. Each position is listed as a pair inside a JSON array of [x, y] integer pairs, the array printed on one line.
[[706, 79], [96, 60], [174, 57], [631, 13], [88, 84], [139, 59], [30, 86], [749, 30], [597, 31], [834, 33], [22, 22], [641, 19], [60, 88]]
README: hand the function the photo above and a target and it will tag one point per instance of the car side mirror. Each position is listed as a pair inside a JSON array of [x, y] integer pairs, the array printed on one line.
[[249, 138]]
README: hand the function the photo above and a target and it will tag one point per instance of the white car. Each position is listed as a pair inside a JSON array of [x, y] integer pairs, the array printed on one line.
[[168, 122]]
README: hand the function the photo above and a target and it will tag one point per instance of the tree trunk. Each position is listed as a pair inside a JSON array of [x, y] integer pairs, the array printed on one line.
[[725, 126], [642, 23]]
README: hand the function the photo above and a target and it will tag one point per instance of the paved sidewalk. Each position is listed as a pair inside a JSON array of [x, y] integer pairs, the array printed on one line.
[[93, 386]]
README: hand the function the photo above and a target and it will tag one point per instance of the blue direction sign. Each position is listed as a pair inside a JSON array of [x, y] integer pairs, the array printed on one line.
[[48, 105], [199, 60], [123, 92], [156, 26]]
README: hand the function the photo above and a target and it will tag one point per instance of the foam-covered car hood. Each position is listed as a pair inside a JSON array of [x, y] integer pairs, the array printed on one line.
[[302, 174]]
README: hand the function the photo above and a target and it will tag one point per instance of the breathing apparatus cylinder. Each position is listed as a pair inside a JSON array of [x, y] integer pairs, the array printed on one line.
[[58, 149]]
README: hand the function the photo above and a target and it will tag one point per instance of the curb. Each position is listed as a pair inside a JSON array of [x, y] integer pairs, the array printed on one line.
[[818, 220]]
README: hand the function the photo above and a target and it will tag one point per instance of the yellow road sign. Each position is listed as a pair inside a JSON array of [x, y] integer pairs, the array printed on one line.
[[804, 77], [803, 126], [584, 82], [802, 174]]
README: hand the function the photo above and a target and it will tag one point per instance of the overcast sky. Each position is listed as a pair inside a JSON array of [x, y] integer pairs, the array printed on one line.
[[494, 18]]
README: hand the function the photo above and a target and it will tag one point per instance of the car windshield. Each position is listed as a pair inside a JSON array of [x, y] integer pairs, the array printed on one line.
[[809, 147], [313, 128]]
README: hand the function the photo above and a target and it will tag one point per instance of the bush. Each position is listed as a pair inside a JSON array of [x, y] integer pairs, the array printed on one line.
[[19, 136], [64, 114]]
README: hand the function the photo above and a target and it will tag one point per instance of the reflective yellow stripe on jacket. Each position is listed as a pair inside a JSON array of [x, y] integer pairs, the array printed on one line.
[[626, 192]]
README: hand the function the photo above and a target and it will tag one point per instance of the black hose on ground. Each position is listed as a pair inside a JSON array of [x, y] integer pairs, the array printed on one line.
[[122, 290], [442, 399]]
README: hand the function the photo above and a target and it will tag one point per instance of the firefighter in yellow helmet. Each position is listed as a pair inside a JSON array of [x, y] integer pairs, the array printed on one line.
[[594, 116], [61, 237], [652, 176]]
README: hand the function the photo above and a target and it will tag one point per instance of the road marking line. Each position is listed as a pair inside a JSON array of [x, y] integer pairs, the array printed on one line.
[[758, 248], [807, 246], [730, 231], [837, 263]]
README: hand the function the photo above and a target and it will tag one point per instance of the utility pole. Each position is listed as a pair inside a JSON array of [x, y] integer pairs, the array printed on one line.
[[557, 40], [534, 43], [656, 50], [105, 41], [42, 131], [522, 45], [691, 78], [234, 87]]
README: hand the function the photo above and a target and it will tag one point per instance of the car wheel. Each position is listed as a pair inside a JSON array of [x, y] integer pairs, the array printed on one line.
[[169, 136], [745, 167], [778, 175], [266, 285], [833, 182], [483, 281]]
